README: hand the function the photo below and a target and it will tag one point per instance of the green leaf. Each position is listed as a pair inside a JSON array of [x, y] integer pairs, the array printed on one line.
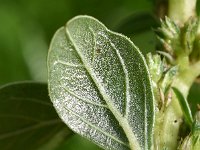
[[194, 97], [192, 141], [28, 118], [167, 79], [196, 131], [100, 85], [185, 106], [156, 67]]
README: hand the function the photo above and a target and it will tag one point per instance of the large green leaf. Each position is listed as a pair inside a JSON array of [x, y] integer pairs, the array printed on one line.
[[28, 119], [100, 86]]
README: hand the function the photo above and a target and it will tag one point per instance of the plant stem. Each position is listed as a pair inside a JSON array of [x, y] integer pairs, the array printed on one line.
[[167, 127], [181, 10], [186, 78], [169, 120]]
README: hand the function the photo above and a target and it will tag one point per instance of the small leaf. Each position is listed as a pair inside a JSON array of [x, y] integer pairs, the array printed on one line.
[[156, 67], [194, 97], [195, 134], [28, 119], [167, 79], [185, 106], [192, 141], [100, 85]]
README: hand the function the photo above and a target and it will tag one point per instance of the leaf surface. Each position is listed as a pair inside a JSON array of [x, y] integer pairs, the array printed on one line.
[[100, 85], [28, 118]]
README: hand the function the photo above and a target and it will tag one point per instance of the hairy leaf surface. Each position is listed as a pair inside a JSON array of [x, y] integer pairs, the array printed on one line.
[[100, 85], [28, 118]]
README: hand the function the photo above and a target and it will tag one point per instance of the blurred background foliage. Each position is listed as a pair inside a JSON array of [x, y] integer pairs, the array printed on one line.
[[27, 26]]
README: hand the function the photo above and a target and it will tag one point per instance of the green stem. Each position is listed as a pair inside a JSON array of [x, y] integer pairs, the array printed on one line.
[[181, 10], [169, 120], [167, 126], [186, 78]]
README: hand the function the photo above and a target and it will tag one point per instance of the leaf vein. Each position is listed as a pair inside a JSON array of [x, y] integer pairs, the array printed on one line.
[[122, 121], [84, 100], [96, 128], [67, 63], [95, 44], [127, 97]]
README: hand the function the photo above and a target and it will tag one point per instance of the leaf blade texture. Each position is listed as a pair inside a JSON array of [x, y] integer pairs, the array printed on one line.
[[28, 118], [100, 85]]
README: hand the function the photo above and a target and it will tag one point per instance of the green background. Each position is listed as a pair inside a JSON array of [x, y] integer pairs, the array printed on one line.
[[27, 26]]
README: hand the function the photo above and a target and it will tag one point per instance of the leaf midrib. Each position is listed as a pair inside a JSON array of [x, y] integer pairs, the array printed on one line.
[[122, 120], [127, 84]]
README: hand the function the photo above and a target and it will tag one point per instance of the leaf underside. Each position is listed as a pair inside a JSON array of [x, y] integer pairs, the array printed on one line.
[[28, 119], [100, 85]]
